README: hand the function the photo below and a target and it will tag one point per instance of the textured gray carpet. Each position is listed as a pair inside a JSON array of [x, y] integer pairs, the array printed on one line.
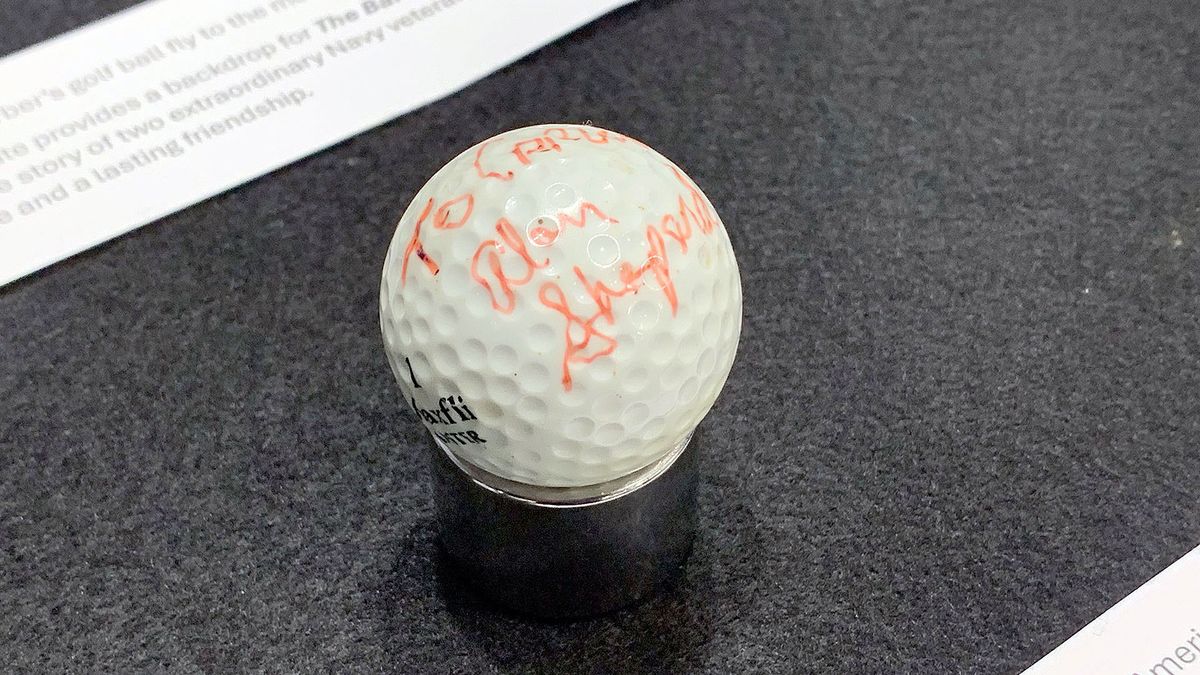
[[964, 419]]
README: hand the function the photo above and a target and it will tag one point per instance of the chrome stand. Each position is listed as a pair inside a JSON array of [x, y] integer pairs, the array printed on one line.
[[562, 553]]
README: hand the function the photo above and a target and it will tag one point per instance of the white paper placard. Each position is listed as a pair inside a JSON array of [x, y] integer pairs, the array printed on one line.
[[123, 121], [1153, 631]]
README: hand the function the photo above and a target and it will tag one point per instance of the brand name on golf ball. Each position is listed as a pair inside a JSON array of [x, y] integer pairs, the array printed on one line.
[[450, 410]]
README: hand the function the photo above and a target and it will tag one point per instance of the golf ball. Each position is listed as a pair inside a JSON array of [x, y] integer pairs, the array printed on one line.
[[560, 305]]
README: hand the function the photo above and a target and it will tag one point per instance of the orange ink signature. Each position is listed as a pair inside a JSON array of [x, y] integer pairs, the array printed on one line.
[[545, 141], [490, 251], [415, 246], [507, 175], [544, 236], [693, 210], [601, 295], [504, 263], [584, 333], [444, 219]]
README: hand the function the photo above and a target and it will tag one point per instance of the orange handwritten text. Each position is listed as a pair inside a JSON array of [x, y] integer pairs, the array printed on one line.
[[580, 330], [505, 262], [693, 210], [451, 214], [507, 175], [546, 140], [544, 236], [447, 219], [415, 247], [523, 149], [489, 253], [584, 209], [580, 347]]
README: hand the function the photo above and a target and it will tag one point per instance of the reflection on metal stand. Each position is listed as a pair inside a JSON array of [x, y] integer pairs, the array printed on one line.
[[567, 552]]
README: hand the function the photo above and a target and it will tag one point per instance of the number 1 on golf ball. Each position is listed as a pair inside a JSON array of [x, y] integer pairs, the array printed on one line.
[[560, 305]]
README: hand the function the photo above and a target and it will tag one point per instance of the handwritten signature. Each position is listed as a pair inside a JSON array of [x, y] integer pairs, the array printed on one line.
[[504, 263]]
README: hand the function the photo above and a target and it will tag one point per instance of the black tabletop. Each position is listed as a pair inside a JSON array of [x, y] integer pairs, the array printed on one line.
[[962, 423]]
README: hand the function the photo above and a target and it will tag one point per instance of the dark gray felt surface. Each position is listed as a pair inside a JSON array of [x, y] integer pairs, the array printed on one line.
[[963, 421]]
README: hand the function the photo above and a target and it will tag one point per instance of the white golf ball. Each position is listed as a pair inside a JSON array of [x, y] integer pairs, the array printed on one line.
[[560, 305]]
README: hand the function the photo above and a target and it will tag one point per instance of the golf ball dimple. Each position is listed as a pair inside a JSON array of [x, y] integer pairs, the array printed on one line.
[[560, 305]]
